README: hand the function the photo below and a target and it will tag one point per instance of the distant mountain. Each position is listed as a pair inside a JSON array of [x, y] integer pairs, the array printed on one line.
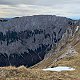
[[28, 40]]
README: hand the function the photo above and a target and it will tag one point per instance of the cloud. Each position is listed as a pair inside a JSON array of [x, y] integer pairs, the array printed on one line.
[[11, 8], [39, 2], [16, 2]]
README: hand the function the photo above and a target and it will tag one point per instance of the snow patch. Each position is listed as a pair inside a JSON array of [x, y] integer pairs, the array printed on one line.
[[59, 68], [77, 28]]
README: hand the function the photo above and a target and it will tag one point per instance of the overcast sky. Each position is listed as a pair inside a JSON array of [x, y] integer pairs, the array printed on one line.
[[13, 8]]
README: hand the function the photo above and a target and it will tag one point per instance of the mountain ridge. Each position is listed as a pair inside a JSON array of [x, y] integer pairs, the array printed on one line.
[[26, 40]]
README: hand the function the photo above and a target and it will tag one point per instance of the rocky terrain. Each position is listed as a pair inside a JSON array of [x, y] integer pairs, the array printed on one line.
[[30, 39], [39, 42]]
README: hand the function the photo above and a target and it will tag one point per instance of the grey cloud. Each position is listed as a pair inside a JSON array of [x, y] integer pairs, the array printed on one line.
[[15, 2], [53, 3], [39, 2], [33, 7]]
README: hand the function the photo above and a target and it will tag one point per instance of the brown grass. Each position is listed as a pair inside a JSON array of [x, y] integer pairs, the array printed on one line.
[[23, 73], [36, 73]]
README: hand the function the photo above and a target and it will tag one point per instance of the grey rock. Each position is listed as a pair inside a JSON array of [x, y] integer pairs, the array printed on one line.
[[26, 40]]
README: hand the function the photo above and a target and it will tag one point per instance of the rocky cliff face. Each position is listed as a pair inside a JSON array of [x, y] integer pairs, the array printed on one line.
[[26, 40]]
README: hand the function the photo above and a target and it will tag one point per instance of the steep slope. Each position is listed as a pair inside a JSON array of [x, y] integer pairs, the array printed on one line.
[[27, 40], [73, 59], [67, 52]]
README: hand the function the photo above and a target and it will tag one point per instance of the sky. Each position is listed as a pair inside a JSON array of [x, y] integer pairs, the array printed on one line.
[[14, 8]]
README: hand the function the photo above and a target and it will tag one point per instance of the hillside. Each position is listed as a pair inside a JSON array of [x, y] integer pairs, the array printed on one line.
[[27, 40], [67, 49], [63, 49], [68, 54], [22, 73]]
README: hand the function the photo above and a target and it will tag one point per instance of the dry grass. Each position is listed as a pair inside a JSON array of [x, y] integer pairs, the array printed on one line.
[[71, 61], [35, 73], [47, 62], [23, 73]]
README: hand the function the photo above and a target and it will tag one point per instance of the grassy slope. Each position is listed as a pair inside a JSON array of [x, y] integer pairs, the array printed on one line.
[[74, 42], [22, 73], [31, 74], [72, 61], [47, 62]]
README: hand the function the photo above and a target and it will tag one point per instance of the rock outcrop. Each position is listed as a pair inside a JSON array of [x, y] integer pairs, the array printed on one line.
[[26, 40]]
